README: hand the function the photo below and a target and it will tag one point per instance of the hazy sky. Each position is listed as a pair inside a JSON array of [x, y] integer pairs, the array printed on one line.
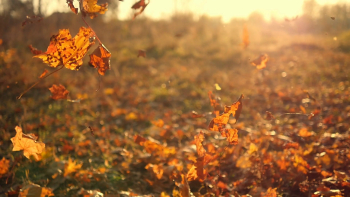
[[227, 9]]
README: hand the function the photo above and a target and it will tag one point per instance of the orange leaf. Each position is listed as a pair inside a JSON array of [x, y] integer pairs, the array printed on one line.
[[68, 51], [29, 145], [184, 187], [197, 171], [58, 92], [261, 61], [100, 59], [71, 6], [199, 138], [245, 41], [158, 123], [140, 5], [90, 7], [71, 167], [4, 166], [231, 135]]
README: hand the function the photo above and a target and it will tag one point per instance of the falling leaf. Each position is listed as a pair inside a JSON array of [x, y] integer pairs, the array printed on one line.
[[71, 167], [197, 171], [292, 19], [28, 145], [31, 19], [140, 6], [35, 190], [199, 138], [158, 123], [332, 17], [184, 187], [71, 6], [100, 59], [231, 135], [269, 116], [68, 51], [245, 40], [141, 53], [58, 92], [43, 74], [90, 7], [217, 87], [302, 109], [35, 51], [260, 62], [4, 166]]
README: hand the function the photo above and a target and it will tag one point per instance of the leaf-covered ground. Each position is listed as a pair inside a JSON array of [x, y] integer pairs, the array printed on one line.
[[300, 147]]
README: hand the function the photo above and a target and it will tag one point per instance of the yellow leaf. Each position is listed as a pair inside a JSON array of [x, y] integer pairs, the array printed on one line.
[[252, 148], [91, 8], [28, 144], [71, 167], [4, 166]]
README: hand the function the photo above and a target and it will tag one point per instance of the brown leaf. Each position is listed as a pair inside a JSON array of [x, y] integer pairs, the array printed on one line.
[[90, 7], [28, 145], [71, 6], [141, 53], [140, 5], [269, 116], [31, 19], [261, 61], [240, 106], [197, 171], [35, 51], [100, 59], [58, 92], [332, 17]]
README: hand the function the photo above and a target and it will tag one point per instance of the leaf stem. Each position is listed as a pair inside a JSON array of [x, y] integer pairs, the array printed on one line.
[[91, 30], [25, 91]]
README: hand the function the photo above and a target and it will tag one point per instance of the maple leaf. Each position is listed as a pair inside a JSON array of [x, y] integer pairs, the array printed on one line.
[[261, 61], [68, 51], [90, 7], [245, 41], [140, 5], [27, 143], [71, 6], [71, 167], [141, 53], [35, 190], [4, 166], [100, 59], [58, 92]]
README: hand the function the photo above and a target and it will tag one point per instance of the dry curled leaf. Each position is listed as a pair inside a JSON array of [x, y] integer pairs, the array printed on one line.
[[197, 171], [35, 51], [58, 92], [68, 51], [31, 19], [90, 7], [269, 116], [261, 61], [100, 59], [140, 6], [71, 6], [27, 144]]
